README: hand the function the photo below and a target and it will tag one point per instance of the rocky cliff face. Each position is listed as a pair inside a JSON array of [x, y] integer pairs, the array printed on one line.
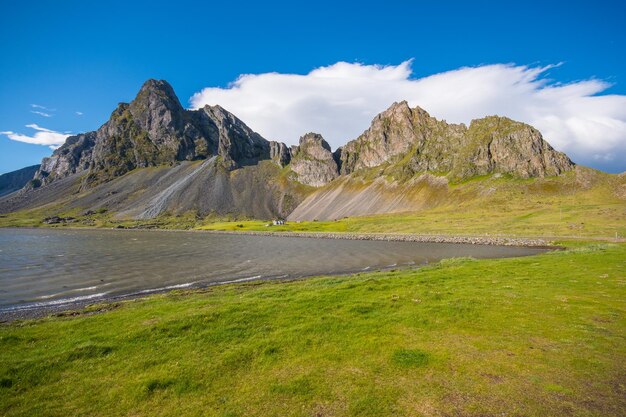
[[73, 156], [154, 129], [280, 153], [392, 133], [313, 161], [409, 141], [498, 144]]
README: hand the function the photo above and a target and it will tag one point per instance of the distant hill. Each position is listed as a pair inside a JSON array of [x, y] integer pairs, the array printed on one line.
[[13, 181]]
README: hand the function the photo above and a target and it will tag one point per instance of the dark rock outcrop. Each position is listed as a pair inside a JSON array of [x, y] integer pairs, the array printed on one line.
[[391, 133], [280, 153], [237, 143], [313, 161], [499, 144], [75, 155]]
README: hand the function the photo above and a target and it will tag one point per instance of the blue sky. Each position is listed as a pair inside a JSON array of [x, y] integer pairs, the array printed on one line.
[[85, 57]]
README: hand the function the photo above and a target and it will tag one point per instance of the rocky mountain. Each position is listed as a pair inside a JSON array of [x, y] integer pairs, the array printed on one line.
[[410, 141], [153, 157], [407, 159], [152, 130], [155, 132], [15, 180]]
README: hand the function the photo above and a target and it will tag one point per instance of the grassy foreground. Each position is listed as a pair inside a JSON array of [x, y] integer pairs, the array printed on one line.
[[536, 336]]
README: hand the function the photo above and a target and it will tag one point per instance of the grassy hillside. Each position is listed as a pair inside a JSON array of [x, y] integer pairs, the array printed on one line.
[[535, 336], [175, 194], [585, 204], [580, 204]]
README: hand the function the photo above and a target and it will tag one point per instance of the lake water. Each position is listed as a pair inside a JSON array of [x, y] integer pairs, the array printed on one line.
[[46, 267]]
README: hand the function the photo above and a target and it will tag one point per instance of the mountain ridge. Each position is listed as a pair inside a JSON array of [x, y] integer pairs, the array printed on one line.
[[15, 180], [402, 146], [493, 144]]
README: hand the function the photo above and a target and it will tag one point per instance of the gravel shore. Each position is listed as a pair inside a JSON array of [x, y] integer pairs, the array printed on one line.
[[402, 237]]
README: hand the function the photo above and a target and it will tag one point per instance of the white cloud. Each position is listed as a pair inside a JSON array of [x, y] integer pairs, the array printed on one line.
[[79, 113], [41, 113], [42, 136], [340, 100], [42, 110]]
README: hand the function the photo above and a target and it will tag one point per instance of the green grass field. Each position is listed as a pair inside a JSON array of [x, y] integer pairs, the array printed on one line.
[[535, 336]]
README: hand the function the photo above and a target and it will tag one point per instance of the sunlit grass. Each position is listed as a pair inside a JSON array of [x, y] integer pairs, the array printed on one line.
[[534, 336]]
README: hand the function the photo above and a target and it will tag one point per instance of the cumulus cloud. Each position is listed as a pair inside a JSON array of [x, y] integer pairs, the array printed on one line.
[[340, 100], [42, 136]]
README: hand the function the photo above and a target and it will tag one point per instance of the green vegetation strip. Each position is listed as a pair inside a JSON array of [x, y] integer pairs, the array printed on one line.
[[535, 336]]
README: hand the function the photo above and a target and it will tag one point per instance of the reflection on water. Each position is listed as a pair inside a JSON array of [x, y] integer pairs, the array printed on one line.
[[49, 267]]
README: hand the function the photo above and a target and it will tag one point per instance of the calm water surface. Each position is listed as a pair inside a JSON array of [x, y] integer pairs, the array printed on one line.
[[40, 267]]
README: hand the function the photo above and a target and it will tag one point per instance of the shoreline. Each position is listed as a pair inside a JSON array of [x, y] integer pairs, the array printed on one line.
[[78, 307], [504, 240]]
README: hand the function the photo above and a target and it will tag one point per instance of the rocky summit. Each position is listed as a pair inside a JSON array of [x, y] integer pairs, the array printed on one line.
[[146, 160], [313, 161], [410, 141]]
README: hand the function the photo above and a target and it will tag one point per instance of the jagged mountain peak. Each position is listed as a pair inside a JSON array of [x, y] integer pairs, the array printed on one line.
[[397, 110], [156, 95], [402, 108], [155, 86], [154, 129], [313, 139], [495, 121], [390, 134], [221, 115], [397, 106], [313, 161], [414, 142], [215, 108]]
